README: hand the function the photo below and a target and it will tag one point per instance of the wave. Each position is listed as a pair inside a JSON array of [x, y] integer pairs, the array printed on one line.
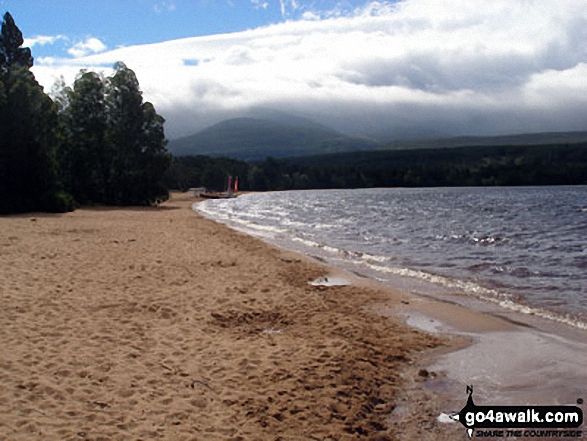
[[498, 298], [460, 234], [240, 224], [341, 252], [503, 300]]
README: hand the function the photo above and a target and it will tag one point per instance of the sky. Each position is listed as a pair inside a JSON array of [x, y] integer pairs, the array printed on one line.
[[384, 69]]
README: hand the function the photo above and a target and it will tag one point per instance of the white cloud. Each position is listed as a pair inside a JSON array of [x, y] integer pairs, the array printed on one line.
[[405, 69], [310, 15], [288, 7], [161, 6], [42, 40], [260, 4], [84, 48]]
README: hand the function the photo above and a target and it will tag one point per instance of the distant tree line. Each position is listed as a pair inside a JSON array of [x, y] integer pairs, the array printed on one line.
[[564, 164], [96, 143]]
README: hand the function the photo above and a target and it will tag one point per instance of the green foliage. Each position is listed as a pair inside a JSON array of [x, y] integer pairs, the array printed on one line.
[[28, 118], [154, 157], [203, 171], [98, 142], [84, 159], [113, 146], [525, 139], [464, 166], [12, 55], [475, 166], [61, 202]]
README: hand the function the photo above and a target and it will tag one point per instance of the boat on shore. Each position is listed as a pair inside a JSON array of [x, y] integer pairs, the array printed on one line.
[[231, 191], [218, 195]]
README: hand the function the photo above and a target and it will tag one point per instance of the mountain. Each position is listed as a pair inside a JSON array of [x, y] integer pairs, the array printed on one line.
[[278, 135], [554, 138]]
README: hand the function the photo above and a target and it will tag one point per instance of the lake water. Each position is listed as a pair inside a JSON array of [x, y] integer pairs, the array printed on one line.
[[520, 249]]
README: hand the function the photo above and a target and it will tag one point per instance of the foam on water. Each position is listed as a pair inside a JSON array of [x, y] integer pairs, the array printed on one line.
[[521, 250], [518, 252]]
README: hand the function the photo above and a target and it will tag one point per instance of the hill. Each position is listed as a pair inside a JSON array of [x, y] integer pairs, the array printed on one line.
[[257, 138], [527, 139]]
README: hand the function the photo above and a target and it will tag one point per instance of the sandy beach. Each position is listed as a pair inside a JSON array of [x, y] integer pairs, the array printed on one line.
[[157, 323]]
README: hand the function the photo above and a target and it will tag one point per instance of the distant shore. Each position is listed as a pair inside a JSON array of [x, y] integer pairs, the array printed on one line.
[[156, 323]]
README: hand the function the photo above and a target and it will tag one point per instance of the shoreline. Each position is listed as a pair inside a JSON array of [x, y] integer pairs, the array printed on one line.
[[509, 361], [436, 281], [512, 357], [156, 323]]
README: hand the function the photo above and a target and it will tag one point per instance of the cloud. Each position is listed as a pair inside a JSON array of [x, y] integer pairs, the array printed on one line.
[[288, 7], [392, 70], [311, 15], [87, 47], [161, 6], [42, 40], [260, 4]]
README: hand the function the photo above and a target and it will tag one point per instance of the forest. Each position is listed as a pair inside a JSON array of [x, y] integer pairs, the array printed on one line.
[[562, 164], [94, 143]]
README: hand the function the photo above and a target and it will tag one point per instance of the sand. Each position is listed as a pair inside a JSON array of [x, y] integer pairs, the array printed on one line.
[[155, 323]]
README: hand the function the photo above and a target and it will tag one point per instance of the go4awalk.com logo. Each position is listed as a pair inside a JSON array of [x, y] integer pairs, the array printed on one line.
[[520, 421]]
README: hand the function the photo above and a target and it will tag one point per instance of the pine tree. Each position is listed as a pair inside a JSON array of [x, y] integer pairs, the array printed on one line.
[[11, 53], [136, 136], [113, 145], [28, 171], [155, 159], [85, 156]]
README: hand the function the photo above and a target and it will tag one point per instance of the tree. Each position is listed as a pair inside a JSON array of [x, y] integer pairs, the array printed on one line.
[[136, 136], [11, 53], [154, 157], [28, 170], [113, 148], [111, 144], [85, 156]]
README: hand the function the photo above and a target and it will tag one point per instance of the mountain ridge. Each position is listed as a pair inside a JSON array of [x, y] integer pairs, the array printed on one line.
[[520, 139], [265, 132], [250, 138]]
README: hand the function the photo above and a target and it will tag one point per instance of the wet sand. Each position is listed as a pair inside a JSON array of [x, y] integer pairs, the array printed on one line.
[[156, 323], [513, 359], [508, 358]]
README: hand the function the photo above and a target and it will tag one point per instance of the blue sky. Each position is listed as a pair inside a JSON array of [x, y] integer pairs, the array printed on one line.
[[384, 69], [132, 22]]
